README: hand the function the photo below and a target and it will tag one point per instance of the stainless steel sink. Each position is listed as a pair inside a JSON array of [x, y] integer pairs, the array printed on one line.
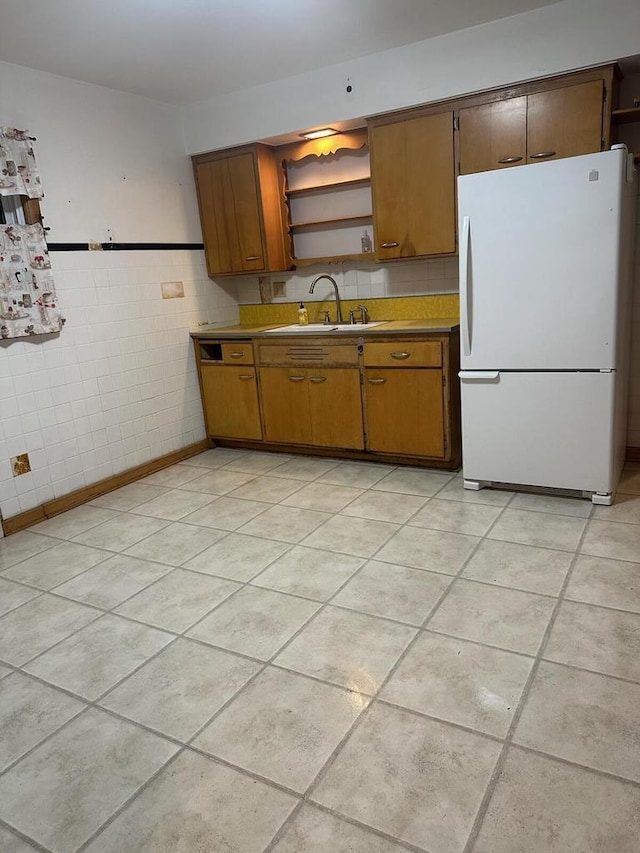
[[324, 328]]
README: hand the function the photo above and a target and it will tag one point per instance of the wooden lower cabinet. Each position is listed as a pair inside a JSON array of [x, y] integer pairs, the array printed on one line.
[[335, 407], [231, 401], [318, 406], [405, 411], [285, 404]]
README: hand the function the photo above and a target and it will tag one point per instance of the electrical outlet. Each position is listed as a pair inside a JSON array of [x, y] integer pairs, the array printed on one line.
[[20, 464], [279, 289]]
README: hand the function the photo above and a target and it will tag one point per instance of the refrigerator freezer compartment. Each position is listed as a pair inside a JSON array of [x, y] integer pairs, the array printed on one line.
[[553, 429], [539, 265]]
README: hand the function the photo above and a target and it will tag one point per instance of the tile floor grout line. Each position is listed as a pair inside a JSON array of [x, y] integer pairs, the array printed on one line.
[[596, 771], [133, 796], [524, 695], [26, 838], [404, 845], [423, 715]]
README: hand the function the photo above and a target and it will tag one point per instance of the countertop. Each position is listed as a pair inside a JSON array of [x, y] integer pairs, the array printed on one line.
[[392, 327]]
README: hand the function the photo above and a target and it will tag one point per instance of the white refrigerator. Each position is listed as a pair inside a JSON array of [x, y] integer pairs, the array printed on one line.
[[546, 255]]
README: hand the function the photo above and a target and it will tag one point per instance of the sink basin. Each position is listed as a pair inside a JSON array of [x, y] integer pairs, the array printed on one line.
[[323, 328]]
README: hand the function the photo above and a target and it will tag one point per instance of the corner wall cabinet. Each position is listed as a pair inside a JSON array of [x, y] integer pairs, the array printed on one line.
[[242, 211]]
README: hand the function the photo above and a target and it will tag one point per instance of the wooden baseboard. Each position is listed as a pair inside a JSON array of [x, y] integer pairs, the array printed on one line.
[[88, 493], [633, 454], [452, 464]]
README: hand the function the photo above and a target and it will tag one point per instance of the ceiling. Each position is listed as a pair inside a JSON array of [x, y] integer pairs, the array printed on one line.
[[182, 51]]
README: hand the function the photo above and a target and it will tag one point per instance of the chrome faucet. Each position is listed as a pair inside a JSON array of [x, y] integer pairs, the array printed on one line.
[[335, 287]]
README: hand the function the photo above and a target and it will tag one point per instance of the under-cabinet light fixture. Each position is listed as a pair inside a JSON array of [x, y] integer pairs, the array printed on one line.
[[320, 134]]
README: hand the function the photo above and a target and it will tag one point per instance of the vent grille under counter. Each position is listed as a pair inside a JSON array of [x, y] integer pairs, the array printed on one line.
[[308, 354]]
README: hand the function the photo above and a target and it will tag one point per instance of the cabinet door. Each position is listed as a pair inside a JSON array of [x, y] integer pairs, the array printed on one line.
[[405, 411], [335, 407], [565, 122], [285, 404], [493, 136], [230, 214], [413, 187], [231, 401]]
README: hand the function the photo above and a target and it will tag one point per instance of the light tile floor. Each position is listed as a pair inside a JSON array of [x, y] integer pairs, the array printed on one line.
[[251, 652]]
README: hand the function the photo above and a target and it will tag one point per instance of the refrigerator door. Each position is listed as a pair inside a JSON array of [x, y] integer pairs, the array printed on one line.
[[539, 429], [539, 253]]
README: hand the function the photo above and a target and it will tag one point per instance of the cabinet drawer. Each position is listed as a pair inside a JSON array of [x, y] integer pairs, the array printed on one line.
[[403, 354], [310, 353], [237, 353]]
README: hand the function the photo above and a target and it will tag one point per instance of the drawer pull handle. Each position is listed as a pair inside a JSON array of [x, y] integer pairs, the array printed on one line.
[[541, 155], [246, 376], [253, 258], [317, 379], [376, 381], [400, 356], [296, 379], [390, 245], [236, 354], [510, 160]]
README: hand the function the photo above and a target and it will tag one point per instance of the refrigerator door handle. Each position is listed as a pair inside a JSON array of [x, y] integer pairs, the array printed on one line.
[[480, 375], [465, 286]]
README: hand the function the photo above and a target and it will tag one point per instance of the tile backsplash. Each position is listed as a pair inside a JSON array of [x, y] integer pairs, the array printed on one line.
[[118, 386], [364, 281]]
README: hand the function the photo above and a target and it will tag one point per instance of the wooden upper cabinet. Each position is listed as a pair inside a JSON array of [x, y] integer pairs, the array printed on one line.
[[412, 178], [242, 211], [493, 136], [565, 122], [546, 125]]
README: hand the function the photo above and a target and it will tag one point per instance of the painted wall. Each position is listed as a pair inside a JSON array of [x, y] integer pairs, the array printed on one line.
[[566, 36], [118, 386]]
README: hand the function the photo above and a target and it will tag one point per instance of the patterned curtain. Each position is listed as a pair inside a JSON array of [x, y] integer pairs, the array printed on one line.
[[18, 170], [28, 302]]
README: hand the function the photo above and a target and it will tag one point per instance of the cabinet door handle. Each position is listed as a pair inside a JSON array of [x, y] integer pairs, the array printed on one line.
[[400, 356], [510, 160], [376, 381], [296, 379], [246, 376], [236, 354], [254, 258], [541, 155], [317, 379], [390, 245]]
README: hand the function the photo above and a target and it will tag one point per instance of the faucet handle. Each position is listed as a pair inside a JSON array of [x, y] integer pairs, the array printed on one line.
[[327, 318], [365, 313], [352, 318]]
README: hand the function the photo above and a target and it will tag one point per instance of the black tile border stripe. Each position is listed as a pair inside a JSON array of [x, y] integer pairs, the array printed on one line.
[[122, 247]]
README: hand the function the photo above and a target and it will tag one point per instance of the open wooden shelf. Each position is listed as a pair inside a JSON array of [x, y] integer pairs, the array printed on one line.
[[626, 116], [335, 259], [340, 222], [339, 185]]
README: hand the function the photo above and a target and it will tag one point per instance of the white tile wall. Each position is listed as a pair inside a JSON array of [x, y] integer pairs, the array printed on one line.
[[118, 387], [366, 281]]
